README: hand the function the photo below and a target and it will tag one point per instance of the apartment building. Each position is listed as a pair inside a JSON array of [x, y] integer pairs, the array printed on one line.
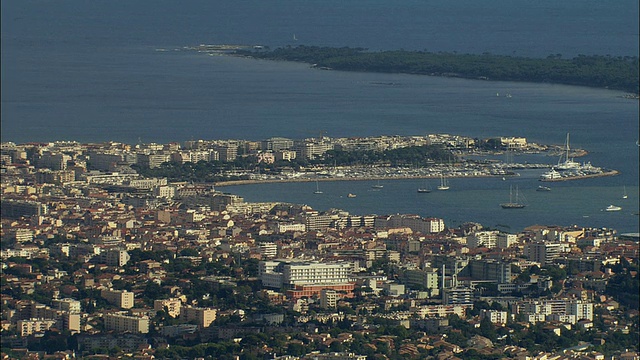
[[495, 316], [202, 316], [53, 161], [311, 149], [489, 269], [458, 295], [543, 310], [279, 274], [121, 298], [227, 152], [70, 305], [276, 144], [153, 160], [427, 279], [439, 311], [487, 239], [505, 241], [319, 221], [126, 323], [284, 227], [414, 222], [544, 252], [171, 306], [328, 298], [28, 327], [268, 250], [114, 257], [14, 209]]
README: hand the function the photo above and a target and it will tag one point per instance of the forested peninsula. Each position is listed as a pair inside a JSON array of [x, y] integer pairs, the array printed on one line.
[[601, 71]]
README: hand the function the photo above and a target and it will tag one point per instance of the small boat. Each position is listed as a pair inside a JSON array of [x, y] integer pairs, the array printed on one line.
[[613, 208], [318, 191], [543, 188], [350, 195], [513, 204], [377, 186], [624, 193], [424, 189], [444, 185]]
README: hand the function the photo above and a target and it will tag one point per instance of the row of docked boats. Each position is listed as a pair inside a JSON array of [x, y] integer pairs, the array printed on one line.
[[567, 168]]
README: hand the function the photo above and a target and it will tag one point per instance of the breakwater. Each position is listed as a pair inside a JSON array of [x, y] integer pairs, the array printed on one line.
[[586, 176]]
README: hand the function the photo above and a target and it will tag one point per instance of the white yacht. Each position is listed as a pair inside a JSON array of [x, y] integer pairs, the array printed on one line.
[[550, 175], [613, 208]]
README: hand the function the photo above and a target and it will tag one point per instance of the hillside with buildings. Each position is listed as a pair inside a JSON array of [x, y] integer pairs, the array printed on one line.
[[99, 260]]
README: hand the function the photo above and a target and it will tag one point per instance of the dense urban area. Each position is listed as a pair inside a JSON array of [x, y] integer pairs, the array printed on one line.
[[113, 250]]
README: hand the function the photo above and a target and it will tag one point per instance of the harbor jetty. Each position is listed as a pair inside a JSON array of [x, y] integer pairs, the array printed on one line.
[[584, 176]]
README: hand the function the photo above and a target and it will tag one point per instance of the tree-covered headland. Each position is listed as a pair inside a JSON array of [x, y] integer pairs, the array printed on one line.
[[602, 71]]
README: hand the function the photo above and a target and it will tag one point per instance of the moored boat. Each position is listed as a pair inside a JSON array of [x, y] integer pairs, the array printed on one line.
[[424, 189], [613, 208], [513, 204], [550, 175], [444, 185]]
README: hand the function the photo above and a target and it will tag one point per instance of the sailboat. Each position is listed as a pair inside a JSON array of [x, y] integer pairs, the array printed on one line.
[[444, 185], [378, 185], [568, 163], [318, 191], [513, 204], [425, 188], [624, 192]]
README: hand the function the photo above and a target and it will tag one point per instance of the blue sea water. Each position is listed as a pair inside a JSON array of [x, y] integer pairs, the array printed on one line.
[[90, 71]]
